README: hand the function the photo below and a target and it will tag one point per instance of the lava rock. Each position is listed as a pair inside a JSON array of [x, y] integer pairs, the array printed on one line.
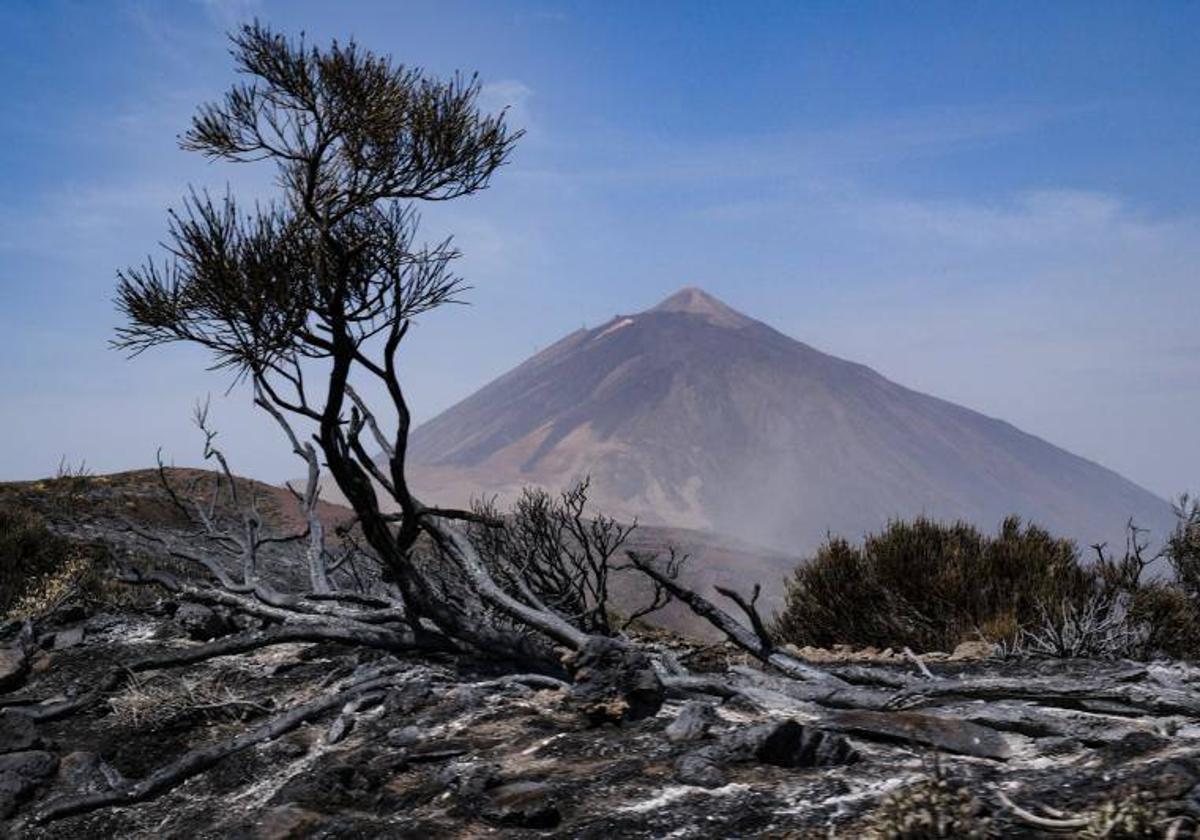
[[201, 623], [13, 667], [523, 805], [1059, 746], [701, 767], [461, 699], [69, 638], [788, 743], [247, 623], [20, 774], [972, 650], [408, 698], [332, 786], [693, 722], [31, 764], [1135, 744], [614, 682], [468, 779], [17, 732], [288, 822], [404, 736]]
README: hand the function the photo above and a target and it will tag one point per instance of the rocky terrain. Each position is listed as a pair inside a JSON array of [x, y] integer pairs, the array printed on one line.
[[101, 706], [453, 749]]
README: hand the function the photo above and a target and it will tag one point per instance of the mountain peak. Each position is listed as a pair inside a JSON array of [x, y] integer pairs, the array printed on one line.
[[691, 300]]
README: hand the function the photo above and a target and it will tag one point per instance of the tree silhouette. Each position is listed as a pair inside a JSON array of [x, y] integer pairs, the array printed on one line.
[[329, 277]]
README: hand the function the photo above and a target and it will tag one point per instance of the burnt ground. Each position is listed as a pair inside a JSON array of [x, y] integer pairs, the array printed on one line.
[[447, 753]]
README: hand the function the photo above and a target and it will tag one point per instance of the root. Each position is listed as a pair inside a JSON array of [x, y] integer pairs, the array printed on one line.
[[1030, 818]]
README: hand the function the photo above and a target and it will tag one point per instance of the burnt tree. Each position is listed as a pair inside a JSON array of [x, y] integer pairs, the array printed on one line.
[[316, 291], [310, 298]]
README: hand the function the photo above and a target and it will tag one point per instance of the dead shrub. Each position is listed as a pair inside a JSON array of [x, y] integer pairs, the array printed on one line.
[[160, 700], [1101, 627], [554, 551]]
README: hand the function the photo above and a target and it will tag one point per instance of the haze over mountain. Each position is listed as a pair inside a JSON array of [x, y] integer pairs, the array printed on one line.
[[693, 415]]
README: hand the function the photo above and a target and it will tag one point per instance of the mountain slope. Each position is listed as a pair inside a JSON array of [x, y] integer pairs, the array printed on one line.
[[693, 415]]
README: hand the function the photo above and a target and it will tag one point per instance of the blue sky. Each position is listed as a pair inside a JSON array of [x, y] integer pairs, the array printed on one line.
[[996, 203]]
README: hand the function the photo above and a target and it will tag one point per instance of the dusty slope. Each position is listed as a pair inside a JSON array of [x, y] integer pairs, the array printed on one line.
[[693, 415]]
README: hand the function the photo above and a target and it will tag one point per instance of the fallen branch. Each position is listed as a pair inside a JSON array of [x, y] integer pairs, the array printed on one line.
[[916, 660], [732, 628], [1068, 694], [199, 760], [240, 643], [766, 644], [1033, 819]]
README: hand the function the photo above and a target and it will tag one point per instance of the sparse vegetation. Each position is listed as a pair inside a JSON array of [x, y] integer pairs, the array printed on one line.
[[1132, 816], [932, 808], [31, 558], [1183, 547]]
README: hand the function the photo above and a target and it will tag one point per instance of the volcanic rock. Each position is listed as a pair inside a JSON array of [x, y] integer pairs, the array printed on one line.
[[692, 722], [17, 732], [613, 682], [13, 665]]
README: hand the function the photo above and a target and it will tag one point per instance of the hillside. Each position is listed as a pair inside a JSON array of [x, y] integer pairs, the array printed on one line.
[[693, 415], [157, 716], [101, 510]]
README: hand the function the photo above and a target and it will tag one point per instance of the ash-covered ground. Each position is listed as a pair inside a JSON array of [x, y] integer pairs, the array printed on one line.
[[450, 751]]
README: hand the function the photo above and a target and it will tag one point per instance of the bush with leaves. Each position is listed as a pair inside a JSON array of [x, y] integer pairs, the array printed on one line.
[[929, 586]]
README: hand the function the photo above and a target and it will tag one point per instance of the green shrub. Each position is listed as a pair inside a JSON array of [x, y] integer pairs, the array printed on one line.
[[1183, 546], [28, 552], [40, 570], [1171, 618], [929, 586]]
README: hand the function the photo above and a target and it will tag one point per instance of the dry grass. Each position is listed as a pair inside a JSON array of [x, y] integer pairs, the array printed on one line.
[[29, 554], [161, 700]]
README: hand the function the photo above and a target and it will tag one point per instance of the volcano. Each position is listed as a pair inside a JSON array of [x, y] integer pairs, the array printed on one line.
[[694, 415]]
